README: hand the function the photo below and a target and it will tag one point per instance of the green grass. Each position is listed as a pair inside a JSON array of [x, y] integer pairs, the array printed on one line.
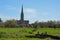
[[24, 39], [19, 33]]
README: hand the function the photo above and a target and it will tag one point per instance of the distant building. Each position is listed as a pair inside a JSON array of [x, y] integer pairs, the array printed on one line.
[[22, 22]]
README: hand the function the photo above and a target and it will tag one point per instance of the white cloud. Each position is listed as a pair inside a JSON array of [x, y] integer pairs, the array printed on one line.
[[45, 14], [30, 10], [7, 17], [9, 7]]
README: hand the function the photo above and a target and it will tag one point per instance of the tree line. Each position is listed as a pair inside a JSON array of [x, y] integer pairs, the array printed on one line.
[[13, 24], [48, 24]]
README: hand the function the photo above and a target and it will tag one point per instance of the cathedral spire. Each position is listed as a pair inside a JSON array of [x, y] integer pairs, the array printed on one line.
[[22, 22], [22, 14]]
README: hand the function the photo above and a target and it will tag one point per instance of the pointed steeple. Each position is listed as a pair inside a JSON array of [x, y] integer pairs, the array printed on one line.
[[22, 14]]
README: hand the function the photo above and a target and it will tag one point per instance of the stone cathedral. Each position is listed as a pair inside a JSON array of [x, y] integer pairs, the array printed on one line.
[[22, 22]]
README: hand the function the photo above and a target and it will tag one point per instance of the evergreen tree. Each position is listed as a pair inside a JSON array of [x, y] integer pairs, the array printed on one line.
[[0, 20]]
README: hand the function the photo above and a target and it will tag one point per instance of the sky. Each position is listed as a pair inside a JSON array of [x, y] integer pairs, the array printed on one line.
[[34, 10]]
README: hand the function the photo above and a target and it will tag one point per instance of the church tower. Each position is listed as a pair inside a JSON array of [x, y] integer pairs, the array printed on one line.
[[22, 15], [22, 22]]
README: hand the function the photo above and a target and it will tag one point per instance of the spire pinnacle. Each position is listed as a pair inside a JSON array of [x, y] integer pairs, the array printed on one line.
[[22, 14]]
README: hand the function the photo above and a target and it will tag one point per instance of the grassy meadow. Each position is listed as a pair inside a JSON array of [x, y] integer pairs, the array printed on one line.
[[19, 33]]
